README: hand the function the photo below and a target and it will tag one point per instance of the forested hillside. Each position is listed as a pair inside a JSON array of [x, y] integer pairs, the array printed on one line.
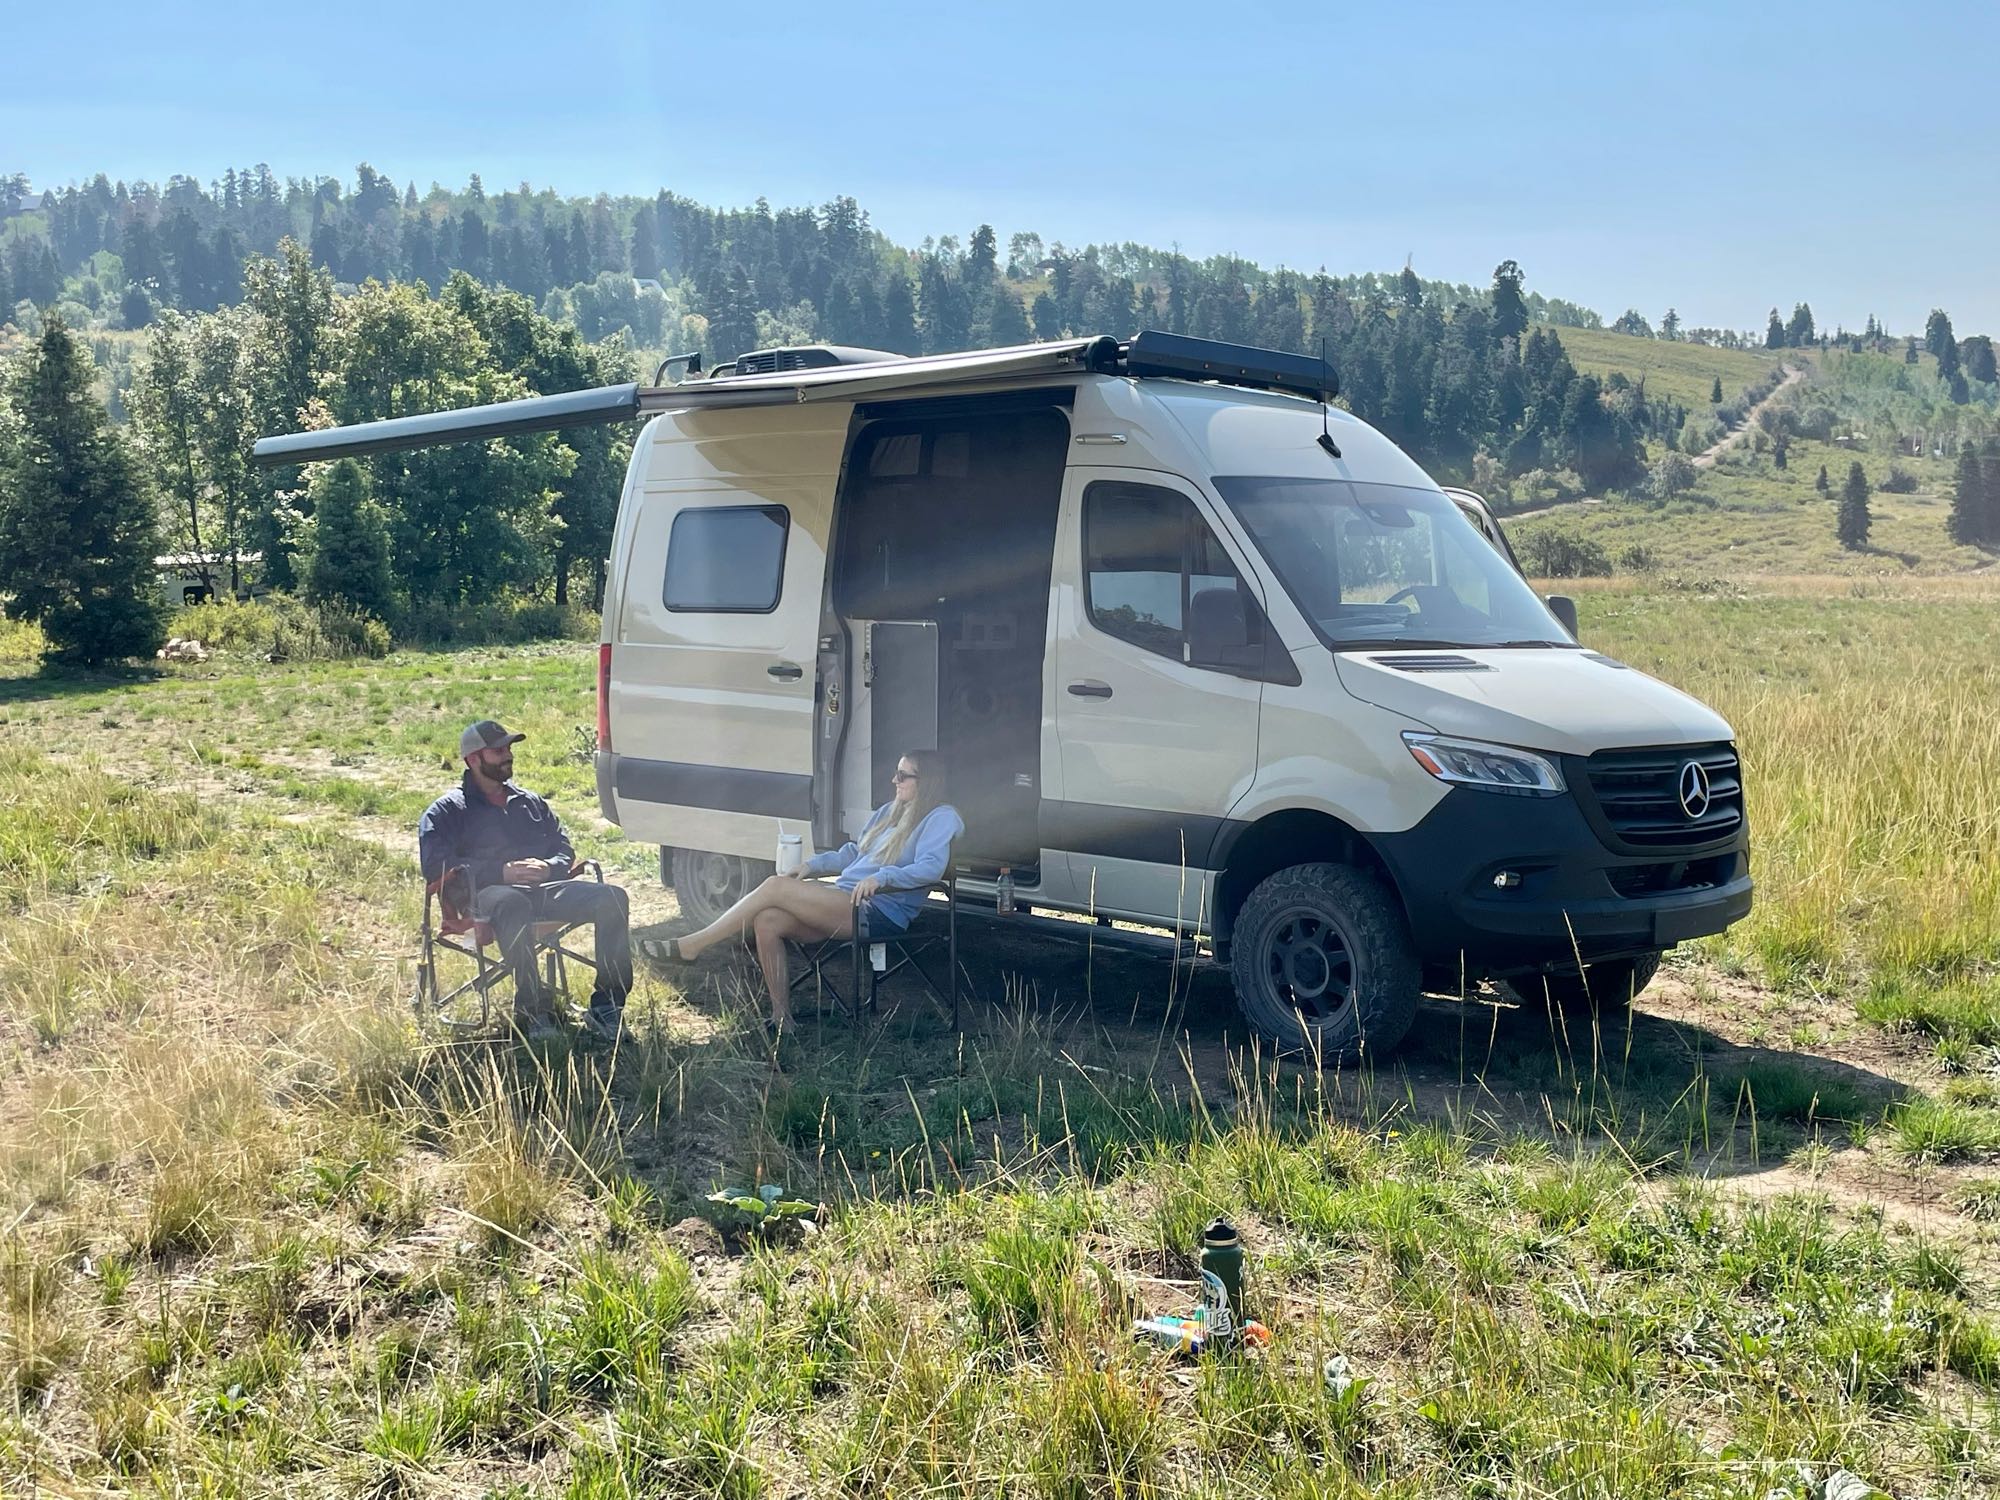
[[214, 314]]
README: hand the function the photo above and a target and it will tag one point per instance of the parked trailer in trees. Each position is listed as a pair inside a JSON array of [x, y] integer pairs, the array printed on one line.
[[1204, 653]]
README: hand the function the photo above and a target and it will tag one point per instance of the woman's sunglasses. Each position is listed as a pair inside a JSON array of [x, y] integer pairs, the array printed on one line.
[[900, 775]]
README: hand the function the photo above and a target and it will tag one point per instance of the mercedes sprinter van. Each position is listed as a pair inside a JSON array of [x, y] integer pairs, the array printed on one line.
[[1201, 652]]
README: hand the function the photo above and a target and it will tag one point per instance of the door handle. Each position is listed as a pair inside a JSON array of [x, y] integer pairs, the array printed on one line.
[[784, 671], [1090, 687]]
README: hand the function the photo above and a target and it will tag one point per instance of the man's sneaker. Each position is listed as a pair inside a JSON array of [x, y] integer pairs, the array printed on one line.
[[605, 1020]]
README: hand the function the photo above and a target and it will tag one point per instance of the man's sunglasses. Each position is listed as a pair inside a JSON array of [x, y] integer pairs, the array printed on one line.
[[900, 775]]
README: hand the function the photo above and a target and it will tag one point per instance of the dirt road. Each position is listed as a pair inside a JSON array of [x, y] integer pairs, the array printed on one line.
[[1707, 457]]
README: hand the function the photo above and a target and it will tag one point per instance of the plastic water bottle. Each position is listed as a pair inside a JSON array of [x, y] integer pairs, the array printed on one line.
[[1003, 893]]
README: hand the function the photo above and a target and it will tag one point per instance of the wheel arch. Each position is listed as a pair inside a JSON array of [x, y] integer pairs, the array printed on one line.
[[1248, 853]]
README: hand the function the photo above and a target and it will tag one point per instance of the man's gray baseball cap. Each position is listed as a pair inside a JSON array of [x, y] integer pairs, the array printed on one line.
[[485, 735]]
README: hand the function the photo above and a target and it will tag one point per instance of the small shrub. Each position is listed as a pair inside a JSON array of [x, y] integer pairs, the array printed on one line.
[[21, 641], [225, 624], [1900, 481], [1671, 474], [1549, 552], [1638, 558]]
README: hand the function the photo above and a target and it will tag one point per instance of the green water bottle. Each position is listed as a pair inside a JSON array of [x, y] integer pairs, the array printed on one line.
[[1222, 1254]]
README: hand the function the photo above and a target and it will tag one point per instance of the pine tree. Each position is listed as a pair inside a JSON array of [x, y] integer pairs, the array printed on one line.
[[1853, 521], [1937, 334], [1822, 484], [77, 530], [1799, 332], [1510, 308], [1989, 467], [1715, 392], [350, 557], [1970, 522], [645, 245], [1774, 334]]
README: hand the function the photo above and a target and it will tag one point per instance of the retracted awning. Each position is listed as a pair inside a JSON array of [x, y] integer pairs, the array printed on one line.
[[616, 403]]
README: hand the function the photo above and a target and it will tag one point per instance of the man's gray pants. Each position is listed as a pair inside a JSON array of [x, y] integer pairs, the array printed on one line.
[[513, 910]]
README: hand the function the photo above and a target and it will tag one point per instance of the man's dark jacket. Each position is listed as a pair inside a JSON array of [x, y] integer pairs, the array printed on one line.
[[463, 828]]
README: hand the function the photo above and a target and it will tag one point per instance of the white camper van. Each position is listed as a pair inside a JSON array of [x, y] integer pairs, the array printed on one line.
[[1201, 653]]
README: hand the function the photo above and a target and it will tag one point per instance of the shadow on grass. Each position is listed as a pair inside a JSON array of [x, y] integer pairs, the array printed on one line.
[[1073, 1063], [50, 683]]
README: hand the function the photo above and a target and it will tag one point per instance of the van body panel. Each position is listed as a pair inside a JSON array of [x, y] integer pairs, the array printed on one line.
[[1568, 701], [712, 711], [1258, 432], [1153, 753], [1322, 750], [1146, 790]]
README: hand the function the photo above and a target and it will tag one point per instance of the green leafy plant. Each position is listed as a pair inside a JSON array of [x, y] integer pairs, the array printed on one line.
[[766, 1214]]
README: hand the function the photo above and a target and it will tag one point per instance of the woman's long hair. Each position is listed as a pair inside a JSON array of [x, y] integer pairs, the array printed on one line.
[[885, 840]]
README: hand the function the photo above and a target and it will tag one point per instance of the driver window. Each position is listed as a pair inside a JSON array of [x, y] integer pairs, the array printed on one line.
[[1147, 551]]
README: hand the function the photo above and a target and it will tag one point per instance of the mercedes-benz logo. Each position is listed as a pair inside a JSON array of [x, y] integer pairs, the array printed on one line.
[[1694, 789]]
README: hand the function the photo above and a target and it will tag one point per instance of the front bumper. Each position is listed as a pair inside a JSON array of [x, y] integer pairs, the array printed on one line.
[[1575, 897]]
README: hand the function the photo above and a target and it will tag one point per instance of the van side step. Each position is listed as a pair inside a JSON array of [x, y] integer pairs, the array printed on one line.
[[1085, 932]]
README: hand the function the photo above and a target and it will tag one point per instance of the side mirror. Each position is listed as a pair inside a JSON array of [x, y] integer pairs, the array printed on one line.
[[1564, 609], [1218, 631]]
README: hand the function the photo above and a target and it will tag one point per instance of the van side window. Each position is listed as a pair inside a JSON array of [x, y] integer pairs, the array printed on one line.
[[1147, 551], [727, 559]]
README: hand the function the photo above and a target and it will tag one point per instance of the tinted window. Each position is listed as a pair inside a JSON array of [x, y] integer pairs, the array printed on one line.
[[1134, 538], [729, 560], [1147, 551]]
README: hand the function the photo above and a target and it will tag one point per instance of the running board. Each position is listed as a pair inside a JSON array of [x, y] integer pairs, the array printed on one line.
[[1090, 933]]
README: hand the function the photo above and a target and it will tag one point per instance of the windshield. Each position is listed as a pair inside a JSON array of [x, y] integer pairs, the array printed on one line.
[[1374, 565]]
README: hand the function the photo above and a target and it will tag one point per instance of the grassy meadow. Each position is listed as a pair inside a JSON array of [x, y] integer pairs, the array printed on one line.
[[1685, 372], [266, 1235]]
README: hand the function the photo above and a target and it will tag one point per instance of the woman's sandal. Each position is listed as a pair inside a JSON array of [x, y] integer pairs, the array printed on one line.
[[667, 952]]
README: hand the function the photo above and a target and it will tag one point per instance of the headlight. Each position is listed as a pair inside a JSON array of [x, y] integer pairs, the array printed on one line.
[[1491, 768]]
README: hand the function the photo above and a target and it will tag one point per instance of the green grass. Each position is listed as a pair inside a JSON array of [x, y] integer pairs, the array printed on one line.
[[266, 1235], [1686, 373]]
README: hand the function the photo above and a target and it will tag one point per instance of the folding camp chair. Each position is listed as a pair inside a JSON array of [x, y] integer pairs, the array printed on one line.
[[449, 927], [934, 926]]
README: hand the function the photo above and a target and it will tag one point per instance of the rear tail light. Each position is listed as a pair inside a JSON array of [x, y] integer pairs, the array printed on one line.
[[604, 696]]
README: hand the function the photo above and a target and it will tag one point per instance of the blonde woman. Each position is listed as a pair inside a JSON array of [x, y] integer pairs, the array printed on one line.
[[886, 872]]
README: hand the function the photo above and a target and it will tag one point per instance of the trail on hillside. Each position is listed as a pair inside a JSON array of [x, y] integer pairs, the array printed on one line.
[[1707, 457], [1703, 460]]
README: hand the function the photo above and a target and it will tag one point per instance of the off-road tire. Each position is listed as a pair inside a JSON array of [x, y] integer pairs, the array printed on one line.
[[1297, 934], [707, 885], [1607, 988]]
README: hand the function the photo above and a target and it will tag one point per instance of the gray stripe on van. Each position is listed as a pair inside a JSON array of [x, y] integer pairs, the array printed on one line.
[[1139, 833], [770, 794]]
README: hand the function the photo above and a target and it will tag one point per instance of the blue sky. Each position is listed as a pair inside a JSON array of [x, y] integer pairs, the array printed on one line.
[[1720, 158]]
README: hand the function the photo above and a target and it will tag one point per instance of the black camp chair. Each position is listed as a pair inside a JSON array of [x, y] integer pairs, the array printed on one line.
[[935, 927]]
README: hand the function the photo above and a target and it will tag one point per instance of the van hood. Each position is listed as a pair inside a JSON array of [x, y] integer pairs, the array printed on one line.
[[1564, 701]]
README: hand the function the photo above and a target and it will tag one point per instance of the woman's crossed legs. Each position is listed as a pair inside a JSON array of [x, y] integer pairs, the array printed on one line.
[[782, 909]]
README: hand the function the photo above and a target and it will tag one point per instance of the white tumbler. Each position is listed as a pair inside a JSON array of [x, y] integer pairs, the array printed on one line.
[[791, 853]]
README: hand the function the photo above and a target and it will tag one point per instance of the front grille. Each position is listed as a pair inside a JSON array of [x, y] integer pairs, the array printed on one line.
[[1633, 881], [1638, 793]]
